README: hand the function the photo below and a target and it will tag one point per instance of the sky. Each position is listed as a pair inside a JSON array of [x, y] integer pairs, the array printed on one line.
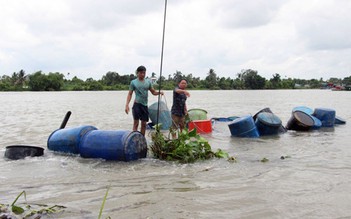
[[88, 38]]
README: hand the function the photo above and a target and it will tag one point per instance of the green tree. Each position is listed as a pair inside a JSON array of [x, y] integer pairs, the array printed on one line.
[[211, 80], [177, 76], [5, 83], [55, 81], [346, 81], [37, 81], [91, 84], [288, 83], [252, 80], [110, 78], [335, 81], [314, 83], [42, 82], [275, 82], [225, 83], [239, 82]]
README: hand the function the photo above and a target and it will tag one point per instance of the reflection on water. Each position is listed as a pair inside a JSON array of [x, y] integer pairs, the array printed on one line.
[[311, 183]]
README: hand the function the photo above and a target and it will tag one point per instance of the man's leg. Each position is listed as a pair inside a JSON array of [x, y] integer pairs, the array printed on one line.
[[135, 125], [143, 127]]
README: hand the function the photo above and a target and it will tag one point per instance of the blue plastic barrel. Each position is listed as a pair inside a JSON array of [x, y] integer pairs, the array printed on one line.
[[327, 116], [67, 140], [243, 127], [268, 110], [300, 121], [119, 145], [339, 121], [317, 123], [304, 109], [164, 115], [267, 123]]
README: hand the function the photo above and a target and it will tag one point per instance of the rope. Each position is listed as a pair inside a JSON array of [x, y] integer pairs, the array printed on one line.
[[161, 65]]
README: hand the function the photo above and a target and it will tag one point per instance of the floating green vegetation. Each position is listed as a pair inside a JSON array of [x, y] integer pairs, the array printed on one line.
[[187, 148], [27, 211], [264, 160]]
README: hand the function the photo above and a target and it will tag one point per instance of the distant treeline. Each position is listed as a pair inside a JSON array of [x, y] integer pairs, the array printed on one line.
[[246, 79]]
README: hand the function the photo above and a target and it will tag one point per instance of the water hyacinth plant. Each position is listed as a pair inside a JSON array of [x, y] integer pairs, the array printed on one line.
[[187, 148], [27, 211]]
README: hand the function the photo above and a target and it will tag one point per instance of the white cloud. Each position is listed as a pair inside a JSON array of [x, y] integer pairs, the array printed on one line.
[[89, 38]]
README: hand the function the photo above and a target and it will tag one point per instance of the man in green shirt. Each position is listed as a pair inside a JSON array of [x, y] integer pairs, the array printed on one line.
[[141, 86]]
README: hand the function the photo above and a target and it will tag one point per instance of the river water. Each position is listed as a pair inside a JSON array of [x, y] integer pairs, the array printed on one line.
[[315, 182]]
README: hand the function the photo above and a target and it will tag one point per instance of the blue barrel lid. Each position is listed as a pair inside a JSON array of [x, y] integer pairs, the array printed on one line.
[[269, 119], [317, 122], [303, 118], [267, 109], [135, 146], [304, 109], [339, 120]]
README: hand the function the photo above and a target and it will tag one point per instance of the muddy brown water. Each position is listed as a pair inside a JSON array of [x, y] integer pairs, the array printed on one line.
[[315, 182]]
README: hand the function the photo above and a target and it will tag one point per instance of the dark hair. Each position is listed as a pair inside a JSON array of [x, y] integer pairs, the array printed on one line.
[[141, 68], [182, 80]]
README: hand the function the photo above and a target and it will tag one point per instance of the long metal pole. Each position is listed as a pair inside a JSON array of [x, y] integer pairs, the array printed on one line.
[[161, 65]]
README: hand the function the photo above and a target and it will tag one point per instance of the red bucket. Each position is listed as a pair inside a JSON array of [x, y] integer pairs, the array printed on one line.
[[202, 126]]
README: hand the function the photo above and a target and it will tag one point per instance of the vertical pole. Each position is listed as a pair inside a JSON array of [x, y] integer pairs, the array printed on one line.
[[161, 65]]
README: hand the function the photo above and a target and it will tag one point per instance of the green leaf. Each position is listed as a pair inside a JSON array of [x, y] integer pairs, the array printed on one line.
[[221, 154], [17, 210], [192, 133], [202, 140]]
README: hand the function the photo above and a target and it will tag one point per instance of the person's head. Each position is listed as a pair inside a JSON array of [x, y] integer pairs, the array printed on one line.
[[182, 83], [141, 71]]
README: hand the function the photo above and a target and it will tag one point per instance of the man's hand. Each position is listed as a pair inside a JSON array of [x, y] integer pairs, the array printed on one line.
[[127, 109]]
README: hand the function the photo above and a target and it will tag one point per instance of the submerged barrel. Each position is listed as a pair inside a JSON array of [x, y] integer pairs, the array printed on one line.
[[202, 126], [197, 114], [15, 152], [327, 116], [267, 123], [119, 145], [68, 139], [268, 110], [300, 121], [164, 115], [243, 127]]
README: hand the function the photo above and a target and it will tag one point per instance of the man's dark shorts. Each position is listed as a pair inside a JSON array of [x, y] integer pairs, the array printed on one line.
[[140, 112]]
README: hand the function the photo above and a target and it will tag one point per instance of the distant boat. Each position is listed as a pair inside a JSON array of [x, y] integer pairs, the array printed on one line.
[[338, 88]]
